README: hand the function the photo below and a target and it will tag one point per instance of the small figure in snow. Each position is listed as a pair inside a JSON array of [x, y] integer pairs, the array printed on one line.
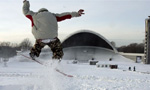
[[129, 68], [45, 29], [134, 68]]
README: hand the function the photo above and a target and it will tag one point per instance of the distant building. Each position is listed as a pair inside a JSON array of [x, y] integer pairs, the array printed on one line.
[[86, 45], [147, 41], [137, 57]]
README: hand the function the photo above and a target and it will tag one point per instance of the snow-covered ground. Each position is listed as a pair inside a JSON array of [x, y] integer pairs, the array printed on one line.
[[33, 76]]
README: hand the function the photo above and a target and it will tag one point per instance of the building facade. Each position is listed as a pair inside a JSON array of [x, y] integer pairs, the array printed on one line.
[[147, 41], [87, 45]]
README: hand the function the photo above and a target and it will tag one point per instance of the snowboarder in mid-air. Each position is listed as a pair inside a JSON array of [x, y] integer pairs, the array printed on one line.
[[45, 29]]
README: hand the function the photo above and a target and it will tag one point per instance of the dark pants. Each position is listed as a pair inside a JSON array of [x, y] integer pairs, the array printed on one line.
[[55, 46]]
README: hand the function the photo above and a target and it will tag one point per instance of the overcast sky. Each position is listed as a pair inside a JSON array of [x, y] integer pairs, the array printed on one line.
[[122, 21]]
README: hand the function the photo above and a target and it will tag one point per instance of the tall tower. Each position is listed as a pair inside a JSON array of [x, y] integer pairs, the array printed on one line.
[[147, 41]]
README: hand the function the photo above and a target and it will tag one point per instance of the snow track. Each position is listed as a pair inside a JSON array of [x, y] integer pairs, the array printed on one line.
[[15, 74], [18, 75]]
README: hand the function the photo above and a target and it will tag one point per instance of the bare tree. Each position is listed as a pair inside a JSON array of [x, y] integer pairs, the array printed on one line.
[[5, 44], [113, 43], [26, 44]]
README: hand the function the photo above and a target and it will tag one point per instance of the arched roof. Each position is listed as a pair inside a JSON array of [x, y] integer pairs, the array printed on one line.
[[87, 38]]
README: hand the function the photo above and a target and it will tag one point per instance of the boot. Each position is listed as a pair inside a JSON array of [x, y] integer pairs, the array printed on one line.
[[32, 56]]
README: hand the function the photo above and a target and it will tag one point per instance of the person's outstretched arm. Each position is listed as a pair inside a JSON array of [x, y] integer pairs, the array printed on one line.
[[26, 8], [68, 15], [27, 12]]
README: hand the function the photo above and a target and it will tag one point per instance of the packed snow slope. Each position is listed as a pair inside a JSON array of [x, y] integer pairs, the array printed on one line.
[[33, 76]]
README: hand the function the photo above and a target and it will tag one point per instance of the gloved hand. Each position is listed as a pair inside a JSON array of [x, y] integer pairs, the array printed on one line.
[[81, 12]]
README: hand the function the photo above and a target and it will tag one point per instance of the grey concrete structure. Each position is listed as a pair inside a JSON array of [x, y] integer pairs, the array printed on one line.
[[87, 45]]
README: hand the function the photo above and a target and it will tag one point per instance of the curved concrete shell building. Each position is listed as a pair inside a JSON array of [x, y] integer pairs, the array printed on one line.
[[86, 45]]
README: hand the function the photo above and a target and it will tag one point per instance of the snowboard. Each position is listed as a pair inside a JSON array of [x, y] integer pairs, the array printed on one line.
[[32, 59]]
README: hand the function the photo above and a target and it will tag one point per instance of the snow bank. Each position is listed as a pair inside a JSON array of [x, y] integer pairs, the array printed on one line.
[[33, 76]]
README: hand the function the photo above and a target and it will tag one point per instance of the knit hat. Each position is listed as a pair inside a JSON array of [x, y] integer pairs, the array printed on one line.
[[42, 10]]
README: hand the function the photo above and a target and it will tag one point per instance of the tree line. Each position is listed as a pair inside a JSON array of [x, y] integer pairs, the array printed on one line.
[[8, 49], [132, 48]]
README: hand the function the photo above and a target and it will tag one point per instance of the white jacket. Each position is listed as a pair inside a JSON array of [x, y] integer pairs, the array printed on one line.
[[44, 23]]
